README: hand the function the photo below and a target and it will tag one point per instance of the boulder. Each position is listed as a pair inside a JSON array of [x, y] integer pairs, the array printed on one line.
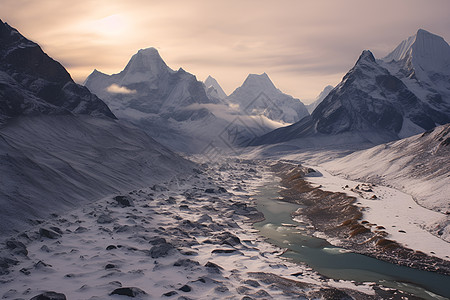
[[50, 296], [128, 291]]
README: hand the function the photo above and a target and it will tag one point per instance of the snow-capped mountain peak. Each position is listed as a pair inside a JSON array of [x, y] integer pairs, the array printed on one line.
[[259, 81], [146, 61], [212, 82], [423, 50], [366, 55], [258, 93]]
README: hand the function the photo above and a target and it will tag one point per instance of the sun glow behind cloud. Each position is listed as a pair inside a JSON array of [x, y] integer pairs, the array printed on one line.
[[112, 26]]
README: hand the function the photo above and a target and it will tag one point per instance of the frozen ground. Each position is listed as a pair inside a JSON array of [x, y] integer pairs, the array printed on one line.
[[402, 218], [186, 238]]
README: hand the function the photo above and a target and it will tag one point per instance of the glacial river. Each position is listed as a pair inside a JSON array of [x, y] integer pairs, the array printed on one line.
[[334, 262]]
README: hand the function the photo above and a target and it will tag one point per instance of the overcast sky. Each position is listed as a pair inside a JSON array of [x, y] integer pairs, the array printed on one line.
[[302, 45]]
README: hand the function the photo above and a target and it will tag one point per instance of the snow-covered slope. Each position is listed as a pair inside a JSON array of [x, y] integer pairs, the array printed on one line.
[[417, 165], [60, 145], [54, 163], [259, 96], [213, 89], [422, 62], [369, 101], [311, 107], [32, 83]]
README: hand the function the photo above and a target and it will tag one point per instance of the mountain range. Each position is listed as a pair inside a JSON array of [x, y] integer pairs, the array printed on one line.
[[187, 115], [382, 100]]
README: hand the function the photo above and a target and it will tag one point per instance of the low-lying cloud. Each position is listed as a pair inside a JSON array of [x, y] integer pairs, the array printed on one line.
[[117, 89]]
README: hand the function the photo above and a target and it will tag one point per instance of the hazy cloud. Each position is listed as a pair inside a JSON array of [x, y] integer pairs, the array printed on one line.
[[117, 89]]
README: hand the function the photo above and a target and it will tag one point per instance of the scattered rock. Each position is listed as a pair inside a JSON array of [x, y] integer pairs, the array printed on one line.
[[159, 188], [224, 251], [332, 293], [17, 247], [41, 265], [224, 238], [185, 288], [81, 229], [243, 289], [50, 296], [161, 250], [219, 190], [5, 263], [111, 247], [264, 294], [56, 229], [213, 268], [48, 233], [124, 201], [25, 271], [104, 219], [221, 289], [128, 291], [170, 294], [189, 252], [157, 240], [186, 263], [171, 200], [251, 282]]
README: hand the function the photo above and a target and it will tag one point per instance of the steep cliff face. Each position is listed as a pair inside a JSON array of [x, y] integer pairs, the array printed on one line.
[[32, 83]]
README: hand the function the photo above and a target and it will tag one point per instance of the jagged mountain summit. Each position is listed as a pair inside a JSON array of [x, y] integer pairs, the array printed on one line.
[[311, 107], [259, 96], [60, 145], [213, 89], [172, 106], [422, 62], [32, 83], [149, 86], [382, 101]]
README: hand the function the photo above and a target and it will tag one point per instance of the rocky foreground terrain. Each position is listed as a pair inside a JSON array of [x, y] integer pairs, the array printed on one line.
[[188, 238]]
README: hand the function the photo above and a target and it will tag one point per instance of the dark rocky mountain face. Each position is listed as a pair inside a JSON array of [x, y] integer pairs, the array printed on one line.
[[33, 83], [368, 100]]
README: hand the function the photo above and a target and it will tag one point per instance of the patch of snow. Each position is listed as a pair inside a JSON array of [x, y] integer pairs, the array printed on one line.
[[403, 219]]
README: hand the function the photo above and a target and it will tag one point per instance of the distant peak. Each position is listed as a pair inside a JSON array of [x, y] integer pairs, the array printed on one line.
[[149, 52], [366, 55], [259, 81], [422, 31], [146, 60], [212, 82], [423, 43], [259, 77]]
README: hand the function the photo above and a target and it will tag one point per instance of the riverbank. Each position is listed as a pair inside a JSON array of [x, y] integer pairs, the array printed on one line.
[[337, 216]]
